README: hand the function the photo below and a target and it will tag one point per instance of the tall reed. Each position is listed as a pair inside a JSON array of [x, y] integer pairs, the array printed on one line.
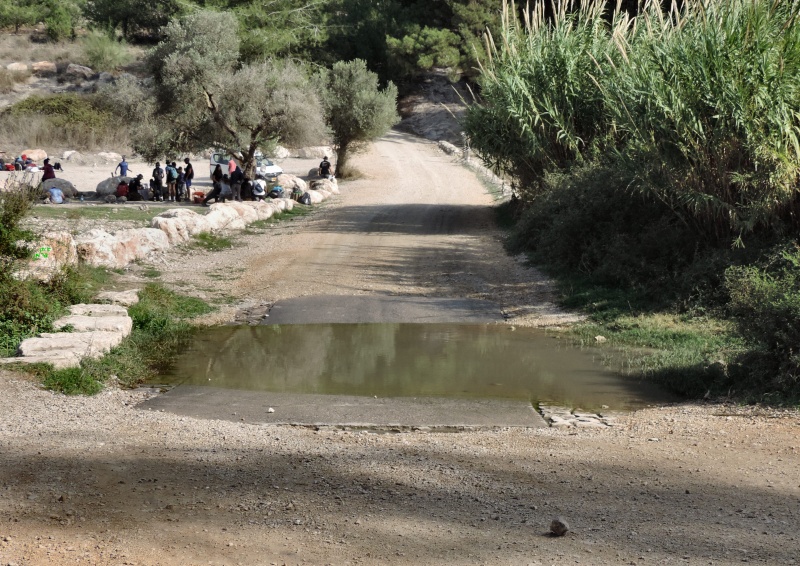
[[699, 104]]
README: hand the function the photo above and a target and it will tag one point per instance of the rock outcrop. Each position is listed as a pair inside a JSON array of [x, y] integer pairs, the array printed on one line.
[[95, 330], [66, 187], [101, 249], [38, 155]]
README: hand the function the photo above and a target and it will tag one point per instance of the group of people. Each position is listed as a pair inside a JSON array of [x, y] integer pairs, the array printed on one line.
[[170, 183]]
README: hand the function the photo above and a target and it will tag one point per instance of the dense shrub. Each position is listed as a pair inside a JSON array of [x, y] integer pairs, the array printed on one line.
[[104, 53], [766, 301]]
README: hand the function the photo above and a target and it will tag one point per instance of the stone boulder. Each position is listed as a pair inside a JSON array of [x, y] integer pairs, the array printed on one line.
[[88, 323], [223, 217], [78, 72], [17, 67], [288, 204], [290, 182], [98, 310], [316, 196], [66, 187], [51, 252], [86, 344], [245, 212], [281, 152], [124, 298], [38, 155], [44, 69], [72, 155], [180, 224], [324, 185], [314, 152], [110, 156], [101, 249], [109, 186]]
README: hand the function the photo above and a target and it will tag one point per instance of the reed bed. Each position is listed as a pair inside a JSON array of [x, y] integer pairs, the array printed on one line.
[[699, 103]]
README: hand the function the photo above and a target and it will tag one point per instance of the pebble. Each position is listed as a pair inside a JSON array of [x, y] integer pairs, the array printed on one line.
[[559, 526]]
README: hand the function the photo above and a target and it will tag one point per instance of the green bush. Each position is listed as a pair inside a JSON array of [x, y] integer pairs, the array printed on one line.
[[64, 110], [59, 24], [766, 302], [104, 53]]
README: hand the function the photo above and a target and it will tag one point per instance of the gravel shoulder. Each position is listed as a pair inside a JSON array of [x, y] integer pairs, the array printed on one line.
[[99, 481]]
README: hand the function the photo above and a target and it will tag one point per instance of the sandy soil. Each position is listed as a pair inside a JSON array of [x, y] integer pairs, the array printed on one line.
[[99, 481]]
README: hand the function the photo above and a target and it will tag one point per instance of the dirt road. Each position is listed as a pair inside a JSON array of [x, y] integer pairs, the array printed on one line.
[[99, 481]]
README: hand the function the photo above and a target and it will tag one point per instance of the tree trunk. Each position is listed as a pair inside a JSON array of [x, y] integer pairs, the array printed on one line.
[[343, 162]]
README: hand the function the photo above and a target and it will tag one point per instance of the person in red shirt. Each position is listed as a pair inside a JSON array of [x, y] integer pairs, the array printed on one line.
[[49, 171], [122, 189]]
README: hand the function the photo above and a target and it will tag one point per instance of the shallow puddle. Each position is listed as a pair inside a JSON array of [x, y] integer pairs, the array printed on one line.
[[406, 360]]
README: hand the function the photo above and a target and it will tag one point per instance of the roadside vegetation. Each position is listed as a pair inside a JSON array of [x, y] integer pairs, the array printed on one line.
[[28, 306], [656, 163]]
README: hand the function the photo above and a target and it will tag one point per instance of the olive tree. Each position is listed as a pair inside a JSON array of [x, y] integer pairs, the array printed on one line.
[[356, 109], [202, 97]]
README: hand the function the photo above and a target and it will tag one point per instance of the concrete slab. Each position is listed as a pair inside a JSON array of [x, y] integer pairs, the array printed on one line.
[[328, 410], [381, 309]]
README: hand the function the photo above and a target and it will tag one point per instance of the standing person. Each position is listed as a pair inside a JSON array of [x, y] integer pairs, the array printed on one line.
[[237, 178], [123, 168], [232, 165], [188, 174], [180, 184], [216, 176], [324, 169], [49, 171], [158, 186], [172, 180]]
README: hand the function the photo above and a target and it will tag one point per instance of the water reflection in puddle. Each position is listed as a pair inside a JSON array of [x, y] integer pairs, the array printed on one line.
[[405, 360]]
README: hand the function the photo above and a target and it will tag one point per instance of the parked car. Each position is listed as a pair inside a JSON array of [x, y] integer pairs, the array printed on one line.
[[264, 166]]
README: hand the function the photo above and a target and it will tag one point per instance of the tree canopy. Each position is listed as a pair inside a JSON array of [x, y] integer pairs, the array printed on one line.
[[202, 96], [357, 110]]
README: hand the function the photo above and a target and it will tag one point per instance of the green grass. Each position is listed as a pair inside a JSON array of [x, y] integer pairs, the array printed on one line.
[[126, 212], [161, 326], [298, 211], [211, 242], [151, 272]]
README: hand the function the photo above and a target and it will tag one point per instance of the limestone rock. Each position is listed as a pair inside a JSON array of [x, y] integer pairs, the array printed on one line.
[[110, 156], [124, 298], [98, 310], [290, 182], [71, 155], [449, 148], [99, 248], [87, 344], [316, 196], [222, 217], [51, 252], [314, 152], [66, 187], [59, 359], [325, 185], [85, 323], [559, 526], [17, 67], [78, 72], [38, 155], [109, 186], [245, 212], [44, 68], [289, 203], [280, 152]]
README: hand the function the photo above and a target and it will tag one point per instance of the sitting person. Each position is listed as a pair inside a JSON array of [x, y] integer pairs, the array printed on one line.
[[135, 188], [123, 189], [56, 196], [259, 189]]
